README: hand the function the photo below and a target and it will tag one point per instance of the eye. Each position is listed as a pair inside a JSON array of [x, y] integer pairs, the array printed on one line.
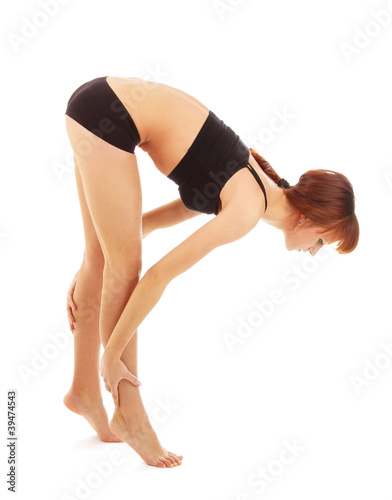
[[320, 241]]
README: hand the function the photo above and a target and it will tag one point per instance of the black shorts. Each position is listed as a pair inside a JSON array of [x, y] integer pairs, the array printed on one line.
[[95, 106]]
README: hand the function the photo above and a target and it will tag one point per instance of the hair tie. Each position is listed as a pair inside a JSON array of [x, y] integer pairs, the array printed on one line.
[[283, 183]]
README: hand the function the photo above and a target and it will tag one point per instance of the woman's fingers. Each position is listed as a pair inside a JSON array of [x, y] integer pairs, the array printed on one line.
[[71, 319], [70, 300], [114, 391], [134, 380], [125, 373], [71, 306], [114, 386], [113, 370]]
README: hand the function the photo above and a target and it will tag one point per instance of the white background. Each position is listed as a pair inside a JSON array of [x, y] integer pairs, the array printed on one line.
[[291, 379]]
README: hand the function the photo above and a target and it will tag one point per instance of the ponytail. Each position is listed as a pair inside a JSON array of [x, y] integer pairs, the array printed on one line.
[[326, 198]]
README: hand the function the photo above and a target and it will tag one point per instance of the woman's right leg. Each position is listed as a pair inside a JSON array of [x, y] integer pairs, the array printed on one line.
[[112, 189]]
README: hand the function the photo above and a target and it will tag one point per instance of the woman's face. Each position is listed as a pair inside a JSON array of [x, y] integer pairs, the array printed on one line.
[[306, 239]]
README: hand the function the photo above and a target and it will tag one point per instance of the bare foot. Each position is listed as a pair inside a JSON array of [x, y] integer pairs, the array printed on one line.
[[94, 412], [142, 438]]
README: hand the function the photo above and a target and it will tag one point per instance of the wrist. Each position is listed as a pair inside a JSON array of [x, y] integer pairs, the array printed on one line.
[[111, 352]]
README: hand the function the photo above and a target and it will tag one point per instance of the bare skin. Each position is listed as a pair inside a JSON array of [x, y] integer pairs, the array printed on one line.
[[84, 396], [168, 121], [113, 246], [109, 190]]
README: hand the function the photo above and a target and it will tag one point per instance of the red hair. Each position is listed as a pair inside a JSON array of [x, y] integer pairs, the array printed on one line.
[[327, 199]]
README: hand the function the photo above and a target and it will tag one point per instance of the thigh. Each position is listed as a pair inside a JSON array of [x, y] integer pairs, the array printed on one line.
[[93, 253], [112, 189]]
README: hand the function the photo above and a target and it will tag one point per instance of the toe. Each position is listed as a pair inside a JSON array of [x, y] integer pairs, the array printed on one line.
[[166, 462], [160, 464], [174, 457]]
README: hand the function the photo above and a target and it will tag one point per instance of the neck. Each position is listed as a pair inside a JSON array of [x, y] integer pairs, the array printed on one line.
[[279, 213]]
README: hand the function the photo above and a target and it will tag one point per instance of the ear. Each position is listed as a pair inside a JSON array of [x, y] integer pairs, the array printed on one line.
[[301, 220]]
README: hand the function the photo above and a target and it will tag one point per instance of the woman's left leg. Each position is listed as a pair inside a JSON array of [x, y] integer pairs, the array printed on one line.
[[84, 396]]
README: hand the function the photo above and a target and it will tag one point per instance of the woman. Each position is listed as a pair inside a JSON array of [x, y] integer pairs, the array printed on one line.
[[106, 118]]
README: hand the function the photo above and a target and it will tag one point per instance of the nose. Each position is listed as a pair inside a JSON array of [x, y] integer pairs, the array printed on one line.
[[313, 251]]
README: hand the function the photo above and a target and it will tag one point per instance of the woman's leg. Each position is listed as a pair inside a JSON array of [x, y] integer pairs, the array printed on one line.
[[84, 396], [112, 188]]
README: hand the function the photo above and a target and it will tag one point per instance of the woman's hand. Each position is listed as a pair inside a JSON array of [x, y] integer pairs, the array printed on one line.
[[112, 371], [70, 303]]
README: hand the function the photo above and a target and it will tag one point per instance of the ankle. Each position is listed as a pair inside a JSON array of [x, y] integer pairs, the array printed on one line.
[[131, 422], [85, 394]]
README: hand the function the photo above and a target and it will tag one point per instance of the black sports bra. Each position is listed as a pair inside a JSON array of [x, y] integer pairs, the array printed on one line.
[[259, 182], [255, 175], [215, 155]]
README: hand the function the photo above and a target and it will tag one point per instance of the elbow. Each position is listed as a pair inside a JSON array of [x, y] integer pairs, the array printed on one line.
[[157, 277]]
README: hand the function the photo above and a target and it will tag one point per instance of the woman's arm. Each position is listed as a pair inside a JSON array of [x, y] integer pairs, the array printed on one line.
[[167, 215], [229, 225], [226, 227]]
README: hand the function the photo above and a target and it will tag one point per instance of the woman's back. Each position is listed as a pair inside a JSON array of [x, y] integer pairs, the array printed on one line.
[[167, 118]]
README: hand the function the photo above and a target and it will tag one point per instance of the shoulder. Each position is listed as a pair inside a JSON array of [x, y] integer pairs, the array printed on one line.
[[238, 217], [240, 201]]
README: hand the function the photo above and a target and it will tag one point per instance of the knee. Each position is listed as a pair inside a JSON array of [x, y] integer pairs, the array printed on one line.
[[126, 269], [94, 260], [126, 260], [119, 280]]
